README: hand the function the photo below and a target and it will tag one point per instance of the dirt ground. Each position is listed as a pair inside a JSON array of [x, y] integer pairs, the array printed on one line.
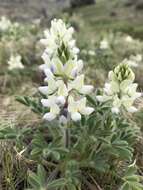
[[27, 10]]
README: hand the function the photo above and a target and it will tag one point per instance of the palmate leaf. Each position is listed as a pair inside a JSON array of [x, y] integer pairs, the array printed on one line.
[[131, 179], [14, 133], [55, 151], [123, 149], [42, 174], [72, 187], [72, 173], [8, 133], [132, 185], [59, 183], [119, 148], [38, 181], [33, 180], [35, 105], [91, 100], [38, 144]]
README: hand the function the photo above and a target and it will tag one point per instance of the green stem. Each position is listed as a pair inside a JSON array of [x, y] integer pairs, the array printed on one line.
[[67, 137]]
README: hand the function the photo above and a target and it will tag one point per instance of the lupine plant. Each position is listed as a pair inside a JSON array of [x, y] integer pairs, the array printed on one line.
[[78, 146]]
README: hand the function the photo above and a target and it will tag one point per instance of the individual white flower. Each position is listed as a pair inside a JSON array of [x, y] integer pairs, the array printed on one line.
[[62, 89], [84, 51], [134, 60], [137, 58], [78, 66], [76, 108], [5, 24], [16, 24], [129, 39], [15, 62], [54, 108], [78, 84], [91, 52], [115, 110], [104, 44], [120, 90], [52, 84], [130, 62]]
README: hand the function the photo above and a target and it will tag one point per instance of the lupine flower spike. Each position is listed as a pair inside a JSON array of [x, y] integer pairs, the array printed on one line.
[[5, 24], [121, 90], [65, 90], [15, 62]]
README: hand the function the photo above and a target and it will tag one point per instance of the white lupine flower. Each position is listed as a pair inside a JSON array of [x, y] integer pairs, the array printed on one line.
[[52, 84], [137, 58], [115, 110], [120, 90], [70, 69], [130, 62], [129, 39], [62, 89], [5, 24], [60, 55], [91, 52], [15, 62], [104, 44], [61, 100], [59, 37], [54, 108], [63, 76], [134, 60], [76, 108], [78, 84]]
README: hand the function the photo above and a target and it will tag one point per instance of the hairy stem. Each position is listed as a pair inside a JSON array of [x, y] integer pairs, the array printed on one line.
[[67, 137]]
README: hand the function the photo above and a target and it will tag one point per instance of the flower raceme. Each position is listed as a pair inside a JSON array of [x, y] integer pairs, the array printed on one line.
[[15, 62], [121, 90], [104, 44], [61, 52], [134, 60], [65, 92], [5, 24]]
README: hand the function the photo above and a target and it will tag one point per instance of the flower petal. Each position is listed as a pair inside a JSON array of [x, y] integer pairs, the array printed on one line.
[[115, 110], [76, 116], [44, 90], [87, 111], [132, 109], [46, 102], [86, 89], [60, 100], [49, 116]]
